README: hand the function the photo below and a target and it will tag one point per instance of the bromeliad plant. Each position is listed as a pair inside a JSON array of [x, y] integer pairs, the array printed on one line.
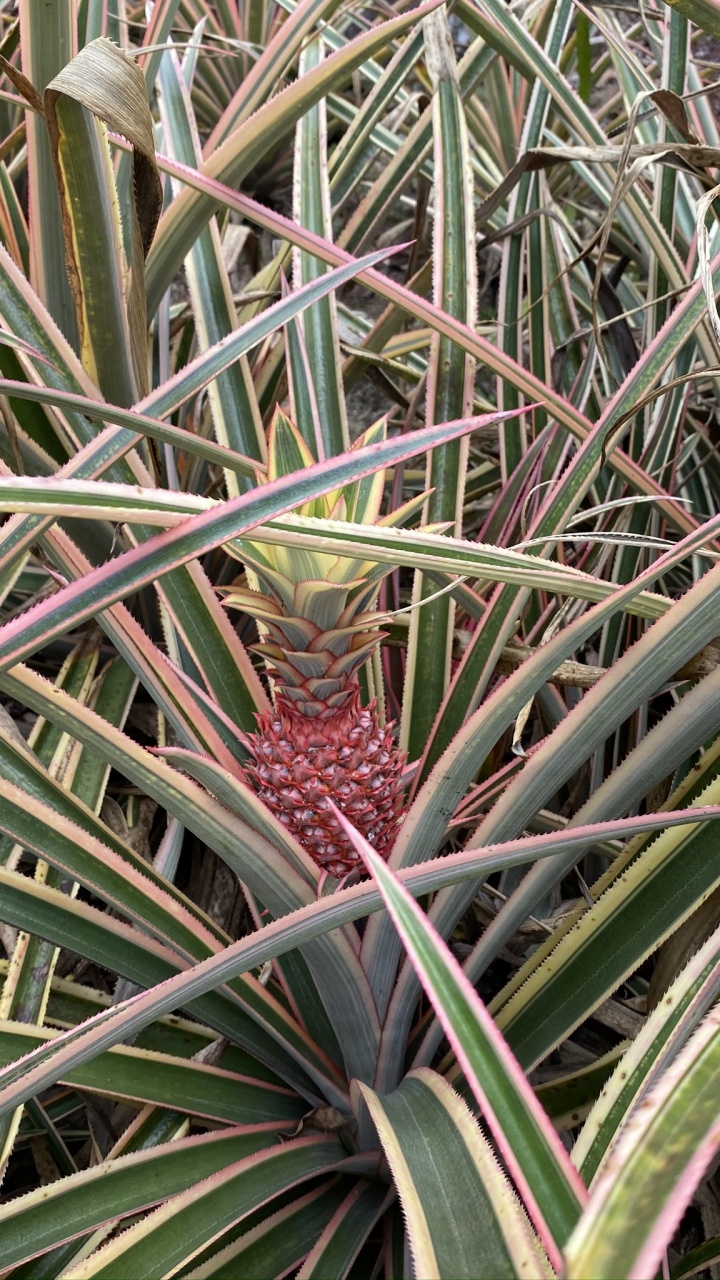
[[222, 1056]]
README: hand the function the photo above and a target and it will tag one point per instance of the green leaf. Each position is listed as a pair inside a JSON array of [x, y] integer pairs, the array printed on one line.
[[414, 548], [346, 159], [336, 1247], [704, 13], [442, 1165], [233, 402], [133, 569], [666, 1029], [278, 1242], [551, 1191], [49, 1216], [243, 149], [672, 640], [175, 1233], [318, 323], [653, 1168], [451, 374], [101, 84], [144, 1076], [697, 1260], [268, 1033], [33, 960], [636, 907], [273, 60], [48, 43]]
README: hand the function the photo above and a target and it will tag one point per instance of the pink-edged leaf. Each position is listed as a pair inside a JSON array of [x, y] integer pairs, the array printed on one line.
[[139, 567], [43, 1066], [113, 443], [190, 1087], [19, 344], [154, 39], [665, 1030], [339, 1244], [141, 423], [423, 829], [48, 1216], [116, 874], [245, 1011], [198, 811], [549, 1184], [442, 1163], [166, 1240], [233, 159], [277, 1244], [482, 348], [270, 66], [654, 1168], [697, 1260], [241, 799], [158, 674]]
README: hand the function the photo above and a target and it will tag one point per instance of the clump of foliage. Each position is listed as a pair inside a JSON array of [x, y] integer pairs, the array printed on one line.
[[359, 599]]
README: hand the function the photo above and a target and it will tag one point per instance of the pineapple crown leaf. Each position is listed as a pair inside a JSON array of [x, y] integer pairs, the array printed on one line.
[[364, 498], [287, 451], [253, 602], [318, 603], [359, 501], [280, 566]]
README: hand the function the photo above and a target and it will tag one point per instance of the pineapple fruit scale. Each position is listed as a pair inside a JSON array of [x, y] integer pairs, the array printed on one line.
[[318, 627]]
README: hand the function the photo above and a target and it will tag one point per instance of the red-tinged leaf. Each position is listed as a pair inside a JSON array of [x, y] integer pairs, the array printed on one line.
[[665, 1030], [175, 1233], [134, 569], [278, 1243], [475, 344], [159, 676], [51, 1215], [442, 1163], [140, 423], [270, 66], [242, 800], [548, 1182], [654, 1167], [245, 1011], [188, 1087], [115, 442], [234, 158], [108, 1028], [337, 1247]]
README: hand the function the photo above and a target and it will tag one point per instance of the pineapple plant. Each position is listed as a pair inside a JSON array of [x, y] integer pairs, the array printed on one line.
[[318, 628]]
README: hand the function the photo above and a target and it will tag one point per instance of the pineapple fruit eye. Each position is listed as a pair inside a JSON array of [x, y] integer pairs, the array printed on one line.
[[358, 766]]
